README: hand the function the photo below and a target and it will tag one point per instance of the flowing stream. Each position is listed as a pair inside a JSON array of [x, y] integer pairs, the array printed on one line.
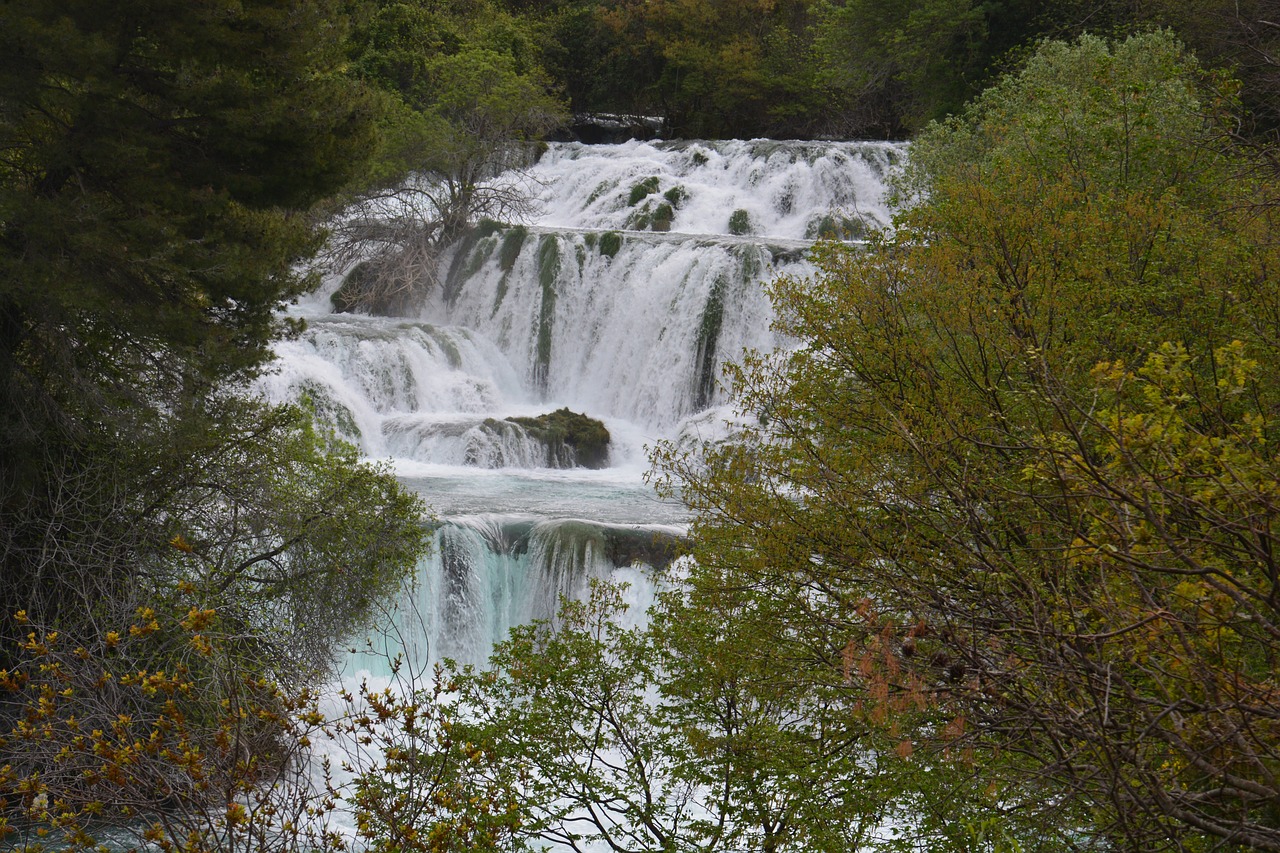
[[639, 276]]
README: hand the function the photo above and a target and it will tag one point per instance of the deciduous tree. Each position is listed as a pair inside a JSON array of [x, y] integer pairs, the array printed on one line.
[[1021, 458], [466, 105]]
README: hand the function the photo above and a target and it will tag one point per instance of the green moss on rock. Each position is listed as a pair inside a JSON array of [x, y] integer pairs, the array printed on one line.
[[707, 342], [740, 222], [511, 245], [571, 438], [610, 243], [662, 216], [643, 190], [548, 270], [487, 228], [328, 411], [836, 227]]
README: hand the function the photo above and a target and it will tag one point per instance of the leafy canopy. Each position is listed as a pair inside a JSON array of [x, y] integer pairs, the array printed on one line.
[[1020, 462]]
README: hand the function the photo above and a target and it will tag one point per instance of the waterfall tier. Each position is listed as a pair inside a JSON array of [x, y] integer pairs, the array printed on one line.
[[640, 275], [763, 188], [489, 573]]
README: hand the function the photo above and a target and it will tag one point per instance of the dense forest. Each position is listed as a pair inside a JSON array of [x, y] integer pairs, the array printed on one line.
[[993, 562]]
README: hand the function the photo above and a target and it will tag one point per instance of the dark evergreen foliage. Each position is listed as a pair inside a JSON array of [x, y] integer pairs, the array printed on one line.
[[158, 159]]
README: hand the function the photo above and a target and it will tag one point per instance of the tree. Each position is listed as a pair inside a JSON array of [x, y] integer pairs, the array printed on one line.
[[466, 104], [716, 68], [161, 734], [162, 679], [152, 155], [1021, 459], [667, 736], [158, 162], [155, 159], [1242, 38], [899, 65]]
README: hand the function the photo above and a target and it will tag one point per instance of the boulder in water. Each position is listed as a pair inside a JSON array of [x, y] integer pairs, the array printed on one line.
[[565, 432]]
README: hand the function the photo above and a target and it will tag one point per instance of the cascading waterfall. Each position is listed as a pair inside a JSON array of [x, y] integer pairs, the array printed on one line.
[[641, 276], [489, 573], [629, 325]]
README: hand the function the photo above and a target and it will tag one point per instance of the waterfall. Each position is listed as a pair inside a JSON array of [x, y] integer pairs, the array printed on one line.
[[638, 279], [489, 573], [634, 328]]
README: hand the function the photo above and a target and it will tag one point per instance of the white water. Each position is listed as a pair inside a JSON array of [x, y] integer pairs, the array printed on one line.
[[578, 308], [786, 187]]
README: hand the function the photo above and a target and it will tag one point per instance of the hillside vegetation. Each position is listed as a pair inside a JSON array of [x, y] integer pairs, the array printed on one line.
[[994, 564]]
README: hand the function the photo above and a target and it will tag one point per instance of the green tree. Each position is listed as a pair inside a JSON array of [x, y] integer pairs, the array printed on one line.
[[898, 65], [185, 606], [1022, 459], [719, 68], [675, 735], [598, 56], [158, 164], [466, 104], [152, 156], [156, 158]]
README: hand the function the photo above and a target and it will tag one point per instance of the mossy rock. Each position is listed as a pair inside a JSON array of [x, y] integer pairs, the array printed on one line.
[[601, 188], [836, 227], [487, 228], [752, 263], [586, 438], [740, 223], [475, 260], [548, 270], [676, 196], [472, 250], [662, 216], [500, 294], [610, 243], [447, 345], [360, 293], [512, 242], [643, 190], [651, 217], [328, 411]]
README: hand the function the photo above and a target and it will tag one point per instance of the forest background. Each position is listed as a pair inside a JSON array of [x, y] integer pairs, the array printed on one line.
[[1034, 553]]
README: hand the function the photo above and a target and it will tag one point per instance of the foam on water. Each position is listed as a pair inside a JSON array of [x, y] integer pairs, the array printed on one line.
[[785, 187], [641, 274]]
